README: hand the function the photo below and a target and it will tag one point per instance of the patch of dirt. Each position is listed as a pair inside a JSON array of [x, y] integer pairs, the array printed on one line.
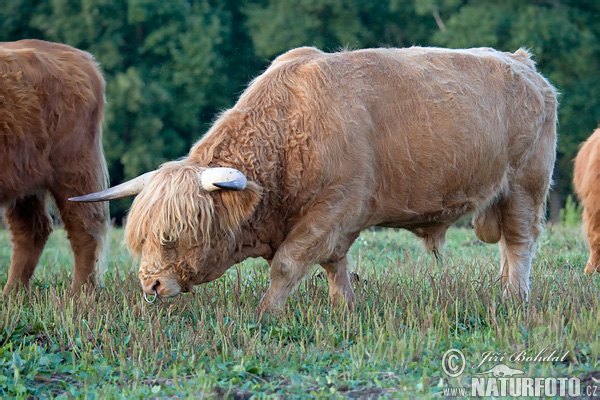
[[235, 394], [41, 339]]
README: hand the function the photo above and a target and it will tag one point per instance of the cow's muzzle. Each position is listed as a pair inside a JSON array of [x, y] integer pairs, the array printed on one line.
[[160, 286]]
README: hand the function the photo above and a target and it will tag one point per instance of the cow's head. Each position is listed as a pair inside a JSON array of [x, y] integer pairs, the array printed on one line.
[[184, 222]]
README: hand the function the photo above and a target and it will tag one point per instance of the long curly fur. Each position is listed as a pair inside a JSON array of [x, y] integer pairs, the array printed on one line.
[[587, 186], [51, 109]]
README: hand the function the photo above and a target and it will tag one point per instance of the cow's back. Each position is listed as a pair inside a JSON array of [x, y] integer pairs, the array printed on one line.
[[419, 132], [53, 100]]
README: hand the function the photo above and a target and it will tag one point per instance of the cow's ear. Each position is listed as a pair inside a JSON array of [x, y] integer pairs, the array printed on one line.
[[233, 208]]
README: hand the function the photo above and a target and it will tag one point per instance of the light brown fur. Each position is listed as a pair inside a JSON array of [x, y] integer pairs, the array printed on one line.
[[335, 143], [51, 108], [587, 186]]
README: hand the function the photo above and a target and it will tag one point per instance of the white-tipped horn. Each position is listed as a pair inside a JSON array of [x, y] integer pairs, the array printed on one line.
[[126, 189], [213, 179]]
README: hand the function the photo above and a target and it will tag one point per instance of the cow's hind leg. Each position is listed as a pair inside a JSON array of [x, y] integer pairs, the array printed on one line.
[[86, 226], [591, 218], [86, 223], [30, 225], [521, 216]]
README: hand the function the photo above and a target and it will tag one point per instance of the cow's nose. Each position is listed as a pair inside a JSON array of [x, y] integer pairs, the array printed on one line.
[[153, 286], [163, 286]]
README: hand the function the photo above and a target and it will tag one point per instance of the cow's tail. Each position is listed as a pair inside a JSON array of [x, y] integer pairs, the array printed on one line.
[[101, 260], [101, 256]]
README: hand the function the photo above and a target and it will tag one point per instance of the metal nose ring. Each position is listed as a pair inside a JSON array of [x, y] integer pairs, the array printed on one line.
[[153, 299]]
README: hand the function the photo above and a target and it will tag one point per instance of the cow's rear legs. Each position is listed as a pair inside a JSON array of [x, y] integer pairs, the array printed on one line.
[[520, 220], [30, 225], [591, 219], [86, 226], [593, 263]]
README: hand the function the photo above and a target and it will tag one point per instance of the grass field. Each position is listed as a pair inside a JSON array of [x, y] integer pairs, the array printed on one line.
[[411, 309]]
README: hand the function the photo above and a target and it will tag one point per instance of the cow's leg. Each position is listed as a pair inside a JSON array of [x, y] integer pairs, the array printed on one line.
[[521, 224], [30, 225], [86, 226], [591, 219], [340, 289], [593, 263], [285, 277], [317, 238]]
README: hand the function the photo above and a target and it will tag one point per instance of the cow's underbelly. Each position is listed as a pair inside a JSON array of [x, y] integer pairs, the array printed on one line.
[[413, 221], [434, 210]]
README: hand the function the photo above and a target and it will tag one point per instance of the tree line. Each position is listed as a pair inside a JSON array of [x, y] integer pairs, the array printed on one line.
[[172, 66]]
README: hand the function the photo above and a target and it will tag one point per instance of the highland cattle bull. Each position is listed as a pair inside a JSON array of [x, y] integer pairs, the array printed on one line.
[[587, 186], [321, 146], [51, 107]]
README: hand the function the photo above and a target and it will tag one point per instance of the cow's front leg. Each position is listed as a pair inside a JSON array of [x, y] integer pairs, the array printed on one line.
[[319, 237], [286, 275], [340, 289], [294, 259]]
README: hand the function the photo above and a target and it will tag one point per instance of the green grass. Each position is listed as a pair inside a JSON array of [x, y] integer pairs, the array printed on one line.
[[108, 343]]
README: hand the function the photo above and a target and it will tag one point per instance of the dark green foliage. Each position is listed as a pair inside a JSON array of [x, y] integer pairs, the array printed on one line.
[[172, 66], [277, 26]]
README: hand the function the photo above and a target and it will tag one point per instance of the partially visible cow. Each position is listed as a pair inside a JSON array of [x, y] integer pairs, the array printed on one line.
[[322, 146], [51, 108], [587, 186]]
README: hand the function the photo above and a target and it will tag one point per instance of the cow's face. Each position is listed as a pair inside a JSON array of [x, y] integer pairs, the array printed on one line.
[[172, 267], [185, 233]]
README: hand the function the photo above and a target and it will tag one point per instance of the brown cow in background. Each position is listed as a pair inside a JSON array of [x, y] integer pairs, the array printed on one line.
[[587, 186], [51, 109], [322, 146]]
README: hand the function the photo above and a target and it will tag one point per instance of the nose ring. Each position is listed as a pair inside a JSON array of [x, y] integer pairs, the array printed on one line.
[[153, 299]]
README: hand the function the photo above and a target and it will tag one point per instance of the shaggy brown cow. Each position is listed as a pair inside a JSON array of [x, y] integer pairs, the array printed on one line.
[[331, 144], [587, 186], [51, 106]]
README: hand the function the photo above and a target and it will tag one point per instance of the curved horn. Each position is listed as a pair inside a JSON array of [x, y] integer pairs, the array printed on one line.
[[126, 189], [222, 178]]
